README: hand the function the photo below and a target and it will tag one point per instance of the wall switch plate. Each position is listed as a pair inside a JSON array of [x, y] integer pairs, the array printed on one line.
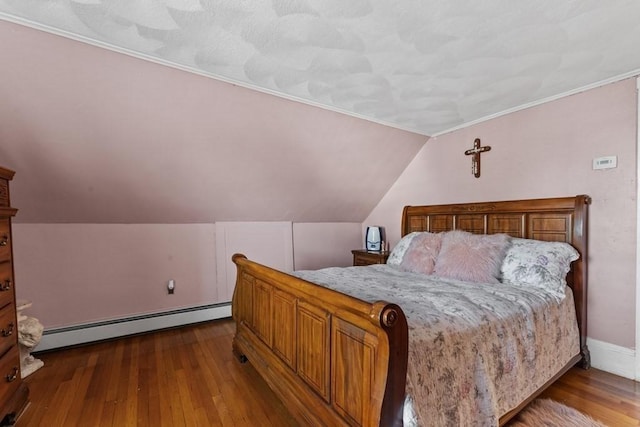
[[171, 286], [606, 162]]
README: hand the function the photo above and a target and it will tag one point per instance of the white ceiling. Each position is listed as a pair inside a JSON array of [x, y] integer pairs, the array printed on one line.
[[427, 66]]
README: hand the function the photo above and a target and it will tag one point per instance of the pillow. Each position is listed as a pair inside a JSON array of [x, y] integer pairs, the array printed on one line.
[[537, 263], [471, 257], [396, 255], [420, 256]]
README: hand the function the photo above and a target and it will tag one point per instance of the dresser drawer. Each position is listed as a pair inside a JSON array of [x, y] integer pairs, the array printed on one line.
[[362, 257], [8, 329], [5, 244], [6, 284], [9, 373]]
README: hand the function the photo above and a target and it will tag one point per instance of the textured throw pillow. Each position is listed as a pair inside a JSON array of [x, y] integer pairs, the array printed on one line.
[[396, 255], [420, 256], [471, 257], [537, 263]]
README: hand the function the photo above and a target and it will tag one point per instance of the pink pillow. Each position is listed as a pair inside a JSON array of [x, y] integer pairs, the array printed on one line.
[[421, 254], [471, 257]]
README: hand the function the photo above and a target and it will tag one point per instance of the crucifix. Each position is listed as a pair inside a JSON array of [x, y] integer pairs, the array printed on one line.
[[475, 160]]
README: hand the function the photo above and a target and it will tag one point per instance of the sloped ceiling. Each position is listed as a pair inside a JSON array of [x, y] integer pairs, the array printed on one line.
[[423, 65], [101, 137]]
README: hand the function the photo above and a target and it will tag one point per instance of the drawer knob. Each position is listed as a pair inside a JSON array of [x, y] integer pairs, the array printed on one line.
[[6, 286], [4, 240], [13, 375], [7, 332]]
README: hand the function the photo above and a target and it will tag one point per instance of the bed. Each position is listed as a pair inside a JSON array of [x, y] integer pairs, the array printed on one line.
[[336, 359]]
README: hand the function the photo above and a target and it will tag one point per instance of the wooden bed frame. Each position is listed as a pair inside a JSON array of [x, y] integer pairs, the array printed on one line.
[[337, 360]]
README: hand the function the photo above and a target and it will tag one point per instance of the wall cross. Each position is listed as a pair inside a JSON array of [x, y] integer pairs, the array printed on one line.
[[475, 160]]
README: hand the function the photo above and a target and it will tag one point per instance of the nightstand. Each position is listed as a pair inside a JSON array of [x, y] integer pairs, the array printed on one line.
[[364, 257]]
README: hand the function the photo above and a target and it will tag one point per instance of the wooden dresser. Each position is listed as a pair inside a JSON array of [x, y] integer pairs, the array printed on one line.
[[14, 393]]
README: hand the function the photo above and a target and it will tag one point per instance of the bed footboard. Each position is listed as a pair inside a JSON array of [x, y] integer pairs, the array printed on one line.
[[332, 359]]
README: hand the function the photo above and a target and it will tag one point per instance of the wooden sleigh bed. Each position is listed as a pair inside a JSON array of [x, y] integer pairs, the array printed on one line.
[[337, 360]]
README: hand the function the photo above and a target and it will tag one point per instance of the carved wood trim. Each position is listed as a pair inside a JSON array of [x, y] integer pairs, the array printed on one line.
[[262, 310], [350, 356], [284, 327], [511, 224], [313, 348], [4, 193], [353, 375], [6, 175]]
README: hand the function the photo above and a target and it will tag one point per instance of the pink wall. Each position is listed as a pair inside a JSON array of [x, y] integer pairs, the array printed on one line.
[[82, 273], [322, 245], [267, 242], [547, 151], [79, 273], [97, 137], [101, 137]]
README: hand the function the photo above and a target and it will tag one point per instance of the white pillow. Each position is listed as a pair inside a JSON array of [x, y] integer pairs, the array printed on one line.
[[396, 255], [537, 263]]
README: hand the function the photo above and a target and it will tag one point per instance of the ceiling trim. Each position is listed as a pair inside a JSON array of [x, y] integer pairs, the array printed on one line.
[[630, 74], [139, 55]]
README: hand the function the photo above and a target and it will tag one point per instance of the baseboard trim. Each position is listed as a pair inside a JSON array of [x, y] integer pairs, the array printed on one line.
[[604, 356], [90, 332], [612, 358]]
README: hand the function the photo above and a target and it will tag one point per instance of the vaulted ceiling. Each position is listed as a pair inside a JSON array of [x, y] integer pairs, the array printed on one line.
[[97, 136]]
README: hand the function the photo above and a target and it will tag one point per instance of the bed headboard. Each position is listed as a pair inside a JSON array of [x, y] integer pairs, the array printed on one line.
[[563, 219]]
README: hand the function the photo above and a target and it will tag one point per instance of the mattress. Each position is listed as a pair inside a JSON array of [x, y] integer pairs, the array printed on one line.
[[476, 350]]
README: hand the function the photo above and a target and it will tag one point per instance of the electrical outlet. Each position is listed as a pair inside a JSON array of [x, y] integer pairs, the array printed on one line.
[[171, 286]]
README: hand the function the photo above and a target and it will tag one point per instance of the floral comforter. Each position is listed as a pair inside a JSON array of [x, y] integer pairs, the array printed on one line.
[[475, 350]]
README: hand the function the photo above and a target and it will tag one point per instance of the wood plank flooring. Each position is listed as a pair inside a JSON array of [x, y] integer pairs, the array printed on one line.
[[612, 400], [189, 377]]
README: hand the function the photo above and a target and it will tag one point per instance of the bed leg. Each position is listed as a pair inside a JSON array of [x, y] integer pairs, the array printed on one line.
[[585, 362], [240, 356]]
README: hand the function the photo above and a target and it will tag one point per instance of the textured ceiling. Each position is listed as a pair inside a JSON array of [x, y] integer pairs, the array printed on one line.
[[423, 65]]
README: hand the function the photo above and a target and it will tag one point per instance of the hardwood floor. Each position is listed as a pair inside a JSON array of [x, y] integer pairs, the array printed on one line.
[[179, 377], [612, 400], [189, 377]]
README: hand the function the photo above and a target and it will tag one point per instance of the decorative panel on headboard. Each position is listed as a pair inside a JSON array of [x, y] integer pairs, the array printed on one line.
[[511, 224], [473, 223], [541, 219], [550, 227]]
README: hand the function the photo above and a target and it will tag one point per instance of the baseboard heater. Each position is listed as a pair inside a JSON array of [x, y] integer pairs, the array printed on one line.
[[98, 331]]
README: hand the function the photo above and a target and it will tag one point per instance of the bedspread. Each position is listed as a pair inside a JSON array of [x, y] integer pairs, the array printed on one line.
[[475, 350]]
